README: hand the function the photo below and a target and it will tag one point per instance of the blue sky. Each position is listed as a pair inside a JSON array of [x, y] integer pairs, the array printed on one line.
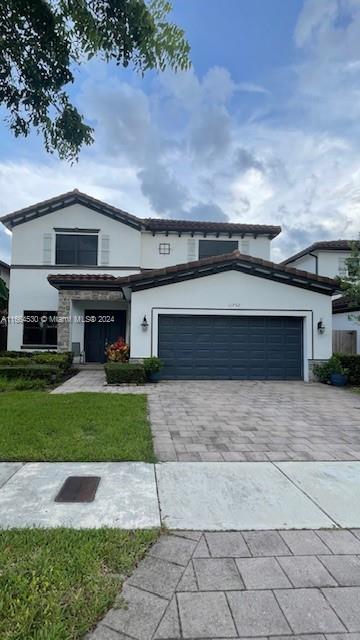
[[263, 129]]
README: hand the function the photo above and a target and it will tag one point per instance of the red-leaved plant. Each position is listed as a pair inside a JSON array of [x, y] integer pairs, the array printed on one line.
[[118, 351]]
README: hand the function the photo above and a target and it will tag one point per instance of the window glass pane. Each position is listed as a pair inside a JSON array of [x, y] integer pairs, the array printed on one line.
[[216, 247], [87, 242], [66, 241], [40, 328], [65, 257], [164, 248], [76, 249]]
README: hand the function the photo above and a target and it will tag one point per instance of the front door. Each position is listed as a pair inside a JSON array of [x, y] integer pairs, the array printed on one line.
[[102, 328]]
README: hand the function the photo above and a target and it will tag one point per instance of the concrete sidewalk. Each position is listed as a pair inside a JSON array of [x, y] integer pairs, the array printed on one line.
[[207, 496]]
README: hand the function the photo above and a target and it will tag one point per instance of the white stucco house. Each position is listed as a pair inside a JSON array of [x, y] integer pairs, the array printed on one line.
[[204, 296], [328, 258]]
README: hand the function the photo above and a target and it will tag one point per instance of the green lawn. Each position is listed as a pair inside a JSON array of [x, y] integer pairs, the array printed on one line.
[[37, 426], [55, 584]]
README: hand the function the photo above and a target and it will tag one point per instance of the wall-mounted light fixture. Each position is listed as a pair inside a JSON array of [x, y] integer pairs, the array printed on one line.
[[321, 326], [144, 324]]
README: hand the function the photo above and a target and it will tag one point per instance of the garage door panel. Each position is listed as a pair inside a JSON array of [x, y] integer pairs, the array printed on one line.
[[231, 347]]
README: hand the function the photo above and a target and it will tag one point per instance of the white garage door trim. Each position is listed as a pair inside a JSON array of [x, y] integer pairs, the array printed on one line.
[[306, 314]]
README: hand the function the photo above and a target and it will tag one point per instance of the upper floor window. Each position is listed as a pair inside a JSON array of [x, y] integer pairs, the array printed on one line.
[[216, 247], [40, 328], [164, 248], [76, 249]]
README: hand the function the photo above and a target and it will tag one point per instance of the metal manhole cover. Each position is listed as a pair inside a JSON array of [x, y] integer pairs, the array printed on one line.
[[78, 489]]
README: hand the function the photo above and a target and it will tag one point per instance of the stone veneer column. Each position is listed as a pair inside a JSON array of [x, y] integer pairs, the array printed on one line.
[[63, 332], [64, 310]]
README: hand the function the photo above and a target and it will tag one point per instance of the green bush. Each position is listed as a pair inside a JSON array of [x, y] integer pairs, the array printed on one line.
[[121, 372], [40, 371], [153, 365], [22, 384], [340, 363], [352, 364], [15, 362], [17, 358], [16, 354], [57, 359]]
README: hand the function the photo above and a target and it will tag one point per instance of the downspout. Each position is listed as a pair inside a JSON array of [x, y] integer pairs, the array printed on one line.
[[313, 255]]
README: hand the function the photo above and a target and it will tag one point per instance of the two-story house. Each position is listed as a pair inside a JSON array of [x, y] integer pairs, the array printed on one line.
[[329, 258], [204, 296]]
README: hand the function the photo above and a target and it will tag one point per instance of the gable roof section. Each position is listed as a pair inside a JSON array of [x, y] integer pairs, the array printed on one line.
[[65, 200], [4, 264], [344, 305], [146, 224], [326, 245], [200, 268]]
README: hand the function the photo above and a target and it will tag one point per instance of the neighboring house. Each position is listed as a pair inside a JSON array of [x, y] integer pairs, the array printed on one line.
[[346, 317], [5, 272], [201, 295], [328, 258]]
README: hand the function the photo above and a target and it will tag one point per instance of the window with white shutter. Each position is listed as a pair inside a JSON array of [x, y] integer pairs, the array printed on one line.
[[105, 249], [245, 247], [191, 250]]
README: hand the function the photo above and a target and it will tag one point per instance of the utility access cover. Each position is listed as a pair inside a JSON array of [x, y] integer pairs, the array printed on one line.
[[78, 489]]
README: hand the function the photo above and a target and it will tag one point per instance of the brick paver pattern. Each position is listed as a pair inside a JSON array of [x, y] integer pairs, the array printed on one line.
[[260, 584], [209, 421]]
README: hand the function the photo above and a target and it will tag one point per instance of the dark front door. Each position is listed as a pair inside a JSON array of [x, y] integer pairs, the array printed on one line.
[[231, 347], [102, 328]]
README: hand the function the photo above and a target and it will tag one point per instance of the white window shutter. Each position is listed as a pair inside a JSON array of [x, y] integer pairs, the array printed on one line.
[[191, 250], [47, 241], [245, 246], [105, 249]]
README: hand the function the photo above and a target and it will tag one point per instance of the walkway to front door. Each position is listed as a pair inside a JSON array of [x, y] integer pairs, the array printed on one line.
[[244, 420]]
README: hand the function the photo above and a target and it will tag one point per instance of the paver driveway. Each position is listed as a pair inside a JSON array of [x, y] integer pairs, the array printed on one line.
[[250, 584], [244, 420]]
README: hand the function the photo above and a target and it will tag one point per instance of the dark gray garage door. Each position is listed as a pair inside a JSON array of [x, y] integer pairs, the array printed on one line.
[[230, 347]]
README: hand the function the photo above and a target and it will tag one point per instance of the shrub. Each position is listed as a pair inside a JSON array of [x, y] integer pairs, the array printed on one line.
[[153, 365], [120, 373], [40, 371], [18, 358], [340, 363], [16, 354], [352, 364], [16, 362], [61, 360], [22, 384], [118, 351]]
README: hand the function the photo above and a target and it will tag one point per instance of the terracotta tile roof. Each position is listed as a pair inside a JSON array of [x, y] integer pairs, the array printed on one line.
[[66, 200], [158, 224], [88, 280], [323, 245], [207, 266], [146, 224], [344, 305], [224, 259], [82, 276]]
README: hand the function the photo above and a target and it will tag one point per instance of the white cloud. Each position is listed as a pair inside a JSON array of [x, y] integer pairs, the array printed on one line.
[[185, 148]]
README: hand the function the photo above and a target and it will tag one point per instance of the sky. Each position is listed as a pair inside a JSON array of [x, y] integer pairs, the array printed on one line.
[[263, 129]]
